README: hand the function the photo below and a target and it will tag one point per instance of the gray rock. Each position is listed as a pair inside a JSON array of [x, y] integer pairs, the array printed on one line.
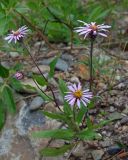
[[125, 111], [36, 103], [68, 58], [121, 85], [79, 150], [43, 68], [97, 154], [124, 120], [31, 83], [14, 54], [75, 79], [5, 141], [115, 116], [106, 143], [59, 98], [61, 64], [112, 109], [5, 64], [27, 119]]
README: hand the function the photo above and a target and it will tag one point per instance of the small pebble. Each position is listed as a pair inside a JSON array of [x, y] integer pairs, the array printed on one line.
[[36, 103], [113, 150]]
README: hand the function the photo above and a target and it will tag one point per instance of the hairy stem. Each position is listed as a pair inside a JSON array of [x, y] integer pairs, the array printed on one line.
[[42, 75], [91, 66]]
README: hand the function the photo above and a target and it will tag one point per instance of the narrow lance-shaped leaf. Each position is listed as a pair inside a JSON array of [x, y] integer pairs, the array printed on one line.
[[16, 84], [57, 116], [52, 67], [2, 114], [67, 109], [87, 134], [63, 87], [8, 99], [4, 72], [65, 134], [40, 80], [81, 114], [51, 151]]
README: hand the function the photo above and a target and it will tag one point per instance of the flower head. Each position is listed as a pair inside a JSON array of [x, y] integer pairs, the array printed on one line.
[[19, 75], [17, 35], [76, 95], [92, 29]]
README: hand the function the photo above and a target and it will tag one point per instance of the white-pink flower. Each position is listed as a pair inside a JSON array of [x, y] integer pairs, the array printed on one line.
[[17, 35], [92, 29], [77, 96]]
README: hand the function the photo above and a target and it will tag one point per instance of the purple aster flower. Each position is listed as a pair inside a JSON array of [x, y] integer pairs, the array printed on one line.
[[19, 75], [76, 95], [17, 35], [92, 29]]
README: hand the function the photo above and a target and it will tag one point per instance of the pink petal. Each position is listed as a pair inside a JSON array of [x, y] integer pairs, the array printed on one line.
[[102, 34], [83, 102], [79, 86], [71, 88], [86, 35], [78, 103], [82, 22], [72, 101]]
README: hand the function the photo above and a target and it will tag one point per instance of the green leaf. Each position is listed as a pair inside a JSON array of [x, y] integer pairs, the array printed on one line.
[[8, 99], [87, 134], [67, 109], [102, 123], [50, 151], [2, 115], [46, 98], [4, 72], [21, 8], [15, 84], [63, 87], [40, 80], [89, 123], [65, 134], [52, 66], [57, 116], [81, 114]]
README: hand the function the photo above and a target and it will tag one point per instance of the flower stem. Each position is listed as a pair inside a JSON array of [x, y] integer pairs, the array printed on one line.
[[91, 66], [42, 76]]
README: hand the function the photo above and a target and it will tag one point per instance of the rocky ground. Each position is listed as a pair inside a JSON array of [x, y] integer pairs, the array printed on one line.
[[110, 82]]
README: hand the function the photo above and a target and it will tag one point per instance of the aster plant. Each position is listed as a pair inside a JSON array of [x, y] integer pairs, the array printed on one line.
[[77, 125], [92, 30]]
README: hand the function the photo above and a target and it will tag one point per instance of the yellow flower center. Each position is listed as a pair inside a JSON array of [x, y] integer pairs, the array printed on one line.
[[16, 33], [94, 27], [78, 94]]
